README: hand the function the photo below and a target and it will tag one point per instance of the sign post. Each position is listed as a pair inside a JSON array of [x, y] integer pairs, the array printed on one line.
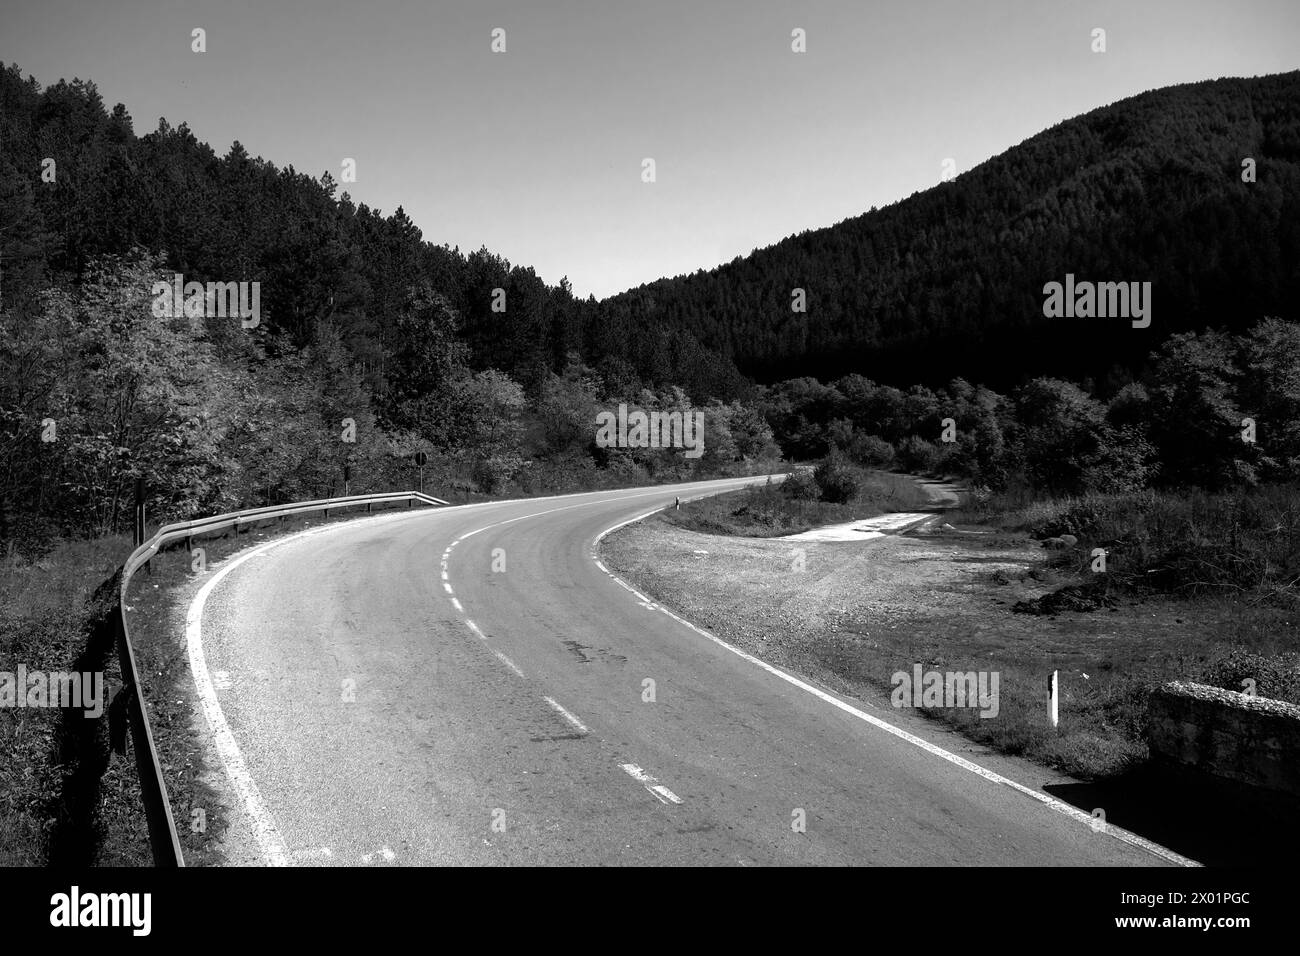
[[138, 538], [421, 459]]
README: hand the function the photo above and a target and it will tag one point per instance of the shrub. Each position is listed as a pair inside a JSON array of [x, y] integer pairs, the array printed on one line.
[[873, 450], [625, 470], [800, 486], [1188, 541], [493, 472], [837, 481], [1080, 519], [1275, 677], [917, 454]]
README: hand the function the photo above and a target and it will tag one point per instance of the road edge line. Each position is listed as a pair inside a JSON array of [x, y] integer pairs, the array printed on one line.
[[1060, 806]]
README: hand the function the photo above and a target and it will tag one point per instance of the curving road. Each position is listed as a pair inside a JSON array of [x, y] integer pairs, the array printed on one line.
[[469, 686]]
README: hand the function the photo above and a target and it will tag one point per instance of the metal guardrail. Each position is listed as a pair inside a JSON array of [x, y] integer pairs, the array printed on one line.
[[163, 837]]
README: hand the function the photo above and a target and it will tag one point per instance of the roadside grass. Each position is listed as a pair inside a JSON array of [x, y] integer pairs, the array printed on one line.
[[1230, 559], [1108, 665], [1185, 542], [42, 627], [769, 511], [1239, 548]]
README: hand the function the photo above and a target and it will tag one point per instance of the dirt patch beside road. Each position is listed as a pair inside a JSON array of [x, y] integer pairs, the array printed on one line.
[[851, 615]]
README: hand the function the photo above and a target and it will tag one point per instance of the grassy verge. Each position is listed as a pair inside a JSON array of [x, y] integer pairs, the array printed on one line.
[[1185, 542], [1108, 664], [1238, 549], [771, 510], [43, 618]]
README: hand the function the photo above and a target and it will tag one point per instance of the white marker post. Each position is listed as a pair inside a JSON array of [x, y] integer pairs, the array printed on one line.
[[1052, 698]]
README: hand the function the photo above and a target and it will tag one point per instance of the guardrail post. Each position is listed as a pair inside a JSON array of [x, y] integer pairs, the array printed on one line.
[[139, 519]]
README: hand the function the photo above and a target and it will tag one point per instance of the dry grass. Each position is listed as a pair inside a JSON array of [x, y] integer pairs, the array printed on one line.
[[42, 627], [769, 511]]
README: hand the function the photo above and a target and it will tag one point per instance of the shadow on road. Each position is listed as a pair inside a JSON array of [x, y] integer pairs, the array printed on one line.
[[1210, 821]]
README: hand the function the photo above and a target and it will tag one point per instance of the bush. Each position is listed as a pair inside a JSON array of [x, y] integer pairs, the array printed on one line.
[[1188, 541], [492, 473], [917, 454], [1277, 678], [873, 450], [800, 486], [837, 481], [1080, 519], [626, 471]]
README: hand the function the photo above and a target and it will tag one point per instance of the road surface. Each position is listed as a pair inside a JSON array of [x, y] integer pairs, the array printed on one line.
[[525, 707]]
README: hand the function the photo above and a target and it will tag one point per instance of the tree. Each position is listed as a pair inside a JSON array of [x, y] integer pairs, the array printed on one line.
[[1195, 420], [1269, 392]]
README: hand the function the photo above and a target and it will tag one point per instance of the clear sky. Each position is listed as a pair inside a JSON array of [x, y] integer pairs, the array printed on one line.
[[537, 152]]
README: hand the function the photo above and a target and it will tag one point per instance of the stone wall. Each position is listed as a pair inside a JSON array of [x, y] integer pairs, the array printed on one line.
[[1251, 740]]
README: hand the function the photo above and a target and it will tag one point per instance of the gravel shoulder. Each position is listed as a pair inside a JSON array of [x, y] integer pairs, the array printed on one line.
[[811, 605]]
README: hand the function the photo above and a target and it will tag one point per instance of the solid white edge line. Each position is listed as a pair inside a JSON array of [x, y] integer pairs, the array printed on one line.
[[265, 831], [1059, 806]]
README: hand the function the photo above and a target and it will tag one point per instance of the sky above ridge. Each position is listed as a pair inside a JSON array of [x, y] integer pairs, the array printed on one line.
[[538, 152]]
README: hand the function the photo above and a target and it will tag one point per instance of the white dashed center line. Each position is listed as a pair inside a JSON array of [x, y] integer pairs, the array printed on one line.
[[577, 724], [650, 783], [509, 663]]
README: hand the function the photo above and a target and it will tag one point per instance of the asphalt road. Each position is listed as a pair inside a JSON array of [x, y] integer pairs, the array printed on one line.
[[369, 711]]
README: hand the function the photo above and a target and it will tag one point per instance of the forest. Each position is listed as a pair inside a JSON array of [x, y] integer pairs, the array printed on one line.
[[1194, 188], [923, 346]]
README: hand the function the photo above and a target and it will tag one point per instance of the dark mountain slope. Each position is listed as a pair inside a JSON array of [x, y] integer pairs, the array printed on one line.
[[950, 281]]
